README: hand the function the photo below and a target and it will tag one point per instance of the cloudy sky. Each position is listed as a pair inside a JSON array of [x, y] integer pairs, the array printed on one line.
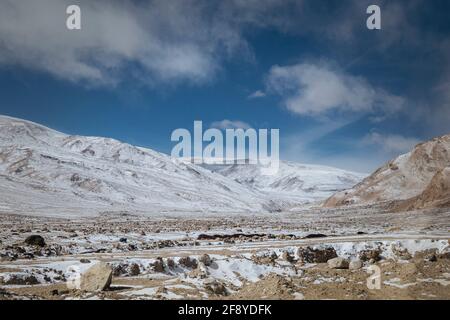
[[341, 94]]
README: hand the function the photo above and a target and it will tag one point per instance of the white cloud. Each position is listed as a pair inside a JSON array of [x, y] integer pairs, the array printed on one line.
[[230, 124], [164, 40], [316, 89], [390, 143], [257, 94]]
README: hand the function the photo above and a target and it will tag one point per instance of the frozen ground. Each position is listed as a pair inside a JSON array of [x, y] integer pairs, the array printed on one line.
[[254, 257]]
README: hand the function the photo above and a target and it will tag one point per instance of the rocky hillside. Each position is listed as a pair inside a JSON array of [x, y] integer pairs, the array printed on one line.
[[415, 180]]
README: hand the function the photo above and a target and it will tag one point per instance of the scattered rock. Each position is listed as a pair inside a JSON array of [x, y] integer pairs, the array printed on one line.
[[85, 260], [338, 263], [123, 240], [96, 278], [35, 240], [402, 253], [355, 264], [188, 262], [311, 255], [20, 280]]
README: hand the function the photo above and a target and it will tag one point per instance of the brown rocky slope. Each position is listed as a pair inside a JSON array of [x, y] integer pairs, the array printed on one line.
[[416, 180]]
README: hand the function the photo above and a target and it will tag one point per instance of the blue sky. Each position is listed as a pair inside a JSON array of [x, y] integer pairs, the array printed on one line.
[[341, 95]]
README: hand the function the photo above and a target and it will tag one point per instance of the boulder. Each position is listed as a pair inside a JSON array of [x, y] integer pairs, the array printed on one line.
[[216, 287], [171, 263], [135, 270], [206, 260], [338, 263], [35, 240], [355, 265], [96, 278], [158, 265]]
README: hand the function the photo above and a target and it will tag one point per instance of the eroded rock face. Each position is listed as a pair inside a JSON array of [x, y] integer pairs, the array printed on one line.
[[311, 255], [96, 278]]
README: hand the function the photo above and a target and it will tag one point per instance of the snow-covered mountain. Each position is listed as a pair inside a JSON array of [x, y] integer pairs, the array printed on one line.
[[417, 179], [46, 172], [294, 183]]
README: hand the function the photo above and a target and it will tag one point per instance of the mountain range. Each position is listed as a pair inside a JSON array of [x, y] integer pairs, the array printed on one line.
[[46, 172]]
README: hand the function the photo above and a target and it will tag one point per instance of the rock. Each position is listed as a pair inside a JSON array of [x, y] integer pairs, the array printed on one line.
[[402, 253], [135, 270], [367, 255], [338, 263], [20, 279], [431, 258], [120, 269], [171, 263], [355, 265], [96, 278], [188, 262], [216, 288], [123, 240], [408, 269], [206, 260], [35, 240], [287, 257], [445, 255], [311, 255], [158, 265], [85, 260], [315, 235], [200, 272]]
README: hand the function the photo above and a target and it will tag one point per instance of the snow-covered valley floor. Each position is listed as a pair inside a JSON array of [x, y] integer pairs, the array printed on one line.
[[277, 256]]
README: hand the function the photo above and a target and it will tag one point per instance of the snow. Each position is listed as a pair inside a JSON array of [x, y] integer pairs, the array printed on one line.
[[48, 173], [294, 183]]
